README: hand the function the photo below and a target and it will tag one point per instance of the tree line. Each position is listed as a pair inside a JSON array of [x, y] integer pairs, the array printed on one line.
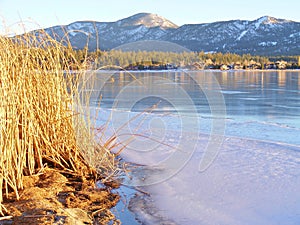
[[196, 60]]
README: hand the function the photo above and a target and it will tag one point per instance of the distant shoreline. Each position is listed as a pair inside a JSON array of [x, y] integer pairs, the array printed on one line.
[[205, 70]]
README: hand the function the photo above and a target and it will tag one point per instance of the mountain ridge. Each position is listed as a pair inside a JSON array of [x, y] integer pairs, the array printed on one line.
[[148, 20], [263, 36]]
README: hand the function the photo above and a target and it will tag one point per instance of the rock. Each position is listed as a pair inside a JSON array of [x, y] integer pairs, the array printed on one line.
[[77, 217]]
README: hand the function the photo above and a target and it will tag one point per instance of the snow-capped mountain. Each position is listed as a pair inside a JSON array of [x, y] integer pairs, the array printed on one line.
[[264, 36], [148, 20], [108, 35]]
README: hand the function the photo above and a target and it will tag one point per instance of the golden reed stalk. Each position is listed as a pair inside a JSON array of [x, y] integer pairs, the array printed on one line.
[[38, 122]]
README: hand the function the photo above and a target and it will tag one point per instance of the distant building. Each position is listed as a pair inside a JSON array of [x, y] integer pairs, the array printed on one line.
[[237, 66], [281, 64], [224, 67]]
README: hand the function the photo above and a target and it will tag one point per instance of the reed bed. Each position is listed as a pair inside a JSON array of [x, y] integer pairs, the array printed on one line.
[[41, 120]]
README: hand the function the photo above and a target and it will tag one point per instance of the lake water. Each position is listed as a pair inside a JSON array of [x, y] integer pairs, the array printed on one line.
[[214, 147], [251, 99]]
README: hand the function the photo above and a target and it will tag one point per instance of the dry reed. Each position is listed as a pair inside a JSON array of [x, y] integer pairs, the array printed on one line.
[[41, 121]]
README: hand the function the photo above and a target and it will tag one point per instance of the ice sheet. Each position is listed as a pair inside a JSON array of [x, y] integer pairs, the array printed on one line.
[[251, 152], [254, 180], [250, 182]]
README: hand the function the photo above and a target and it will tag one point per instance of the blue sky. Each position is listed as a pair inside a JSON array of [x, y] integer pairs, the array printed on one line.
[[42, 14]]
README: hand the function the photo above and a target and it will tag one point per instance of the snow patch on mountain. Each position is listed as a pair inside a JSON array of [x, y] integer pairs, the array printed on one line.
[[239, 25], [260, 21], [269, 43], [295, 35], [242, 35]]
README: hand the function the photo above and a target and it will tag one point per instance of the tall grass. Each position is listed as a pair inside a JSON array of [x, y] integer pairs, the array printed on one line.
[[40, 120]]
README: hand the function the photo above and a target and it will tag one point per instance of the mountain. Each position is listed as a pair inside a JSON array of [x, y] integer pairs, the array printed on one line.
[[108, 35], [148, 20], [263, 36]]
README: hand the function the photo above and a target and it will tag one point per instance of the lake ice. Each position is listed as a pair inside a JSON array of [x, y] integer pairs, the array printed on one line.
[[252, 176]]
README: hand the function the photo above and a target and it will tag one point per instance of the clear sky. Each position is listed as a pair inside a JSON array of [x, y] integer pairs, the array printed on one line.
[[42, 14]]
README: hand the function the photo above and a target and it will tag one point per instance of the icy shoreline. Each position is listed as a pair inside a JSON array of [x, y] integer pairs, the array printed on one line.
[[251, 181]]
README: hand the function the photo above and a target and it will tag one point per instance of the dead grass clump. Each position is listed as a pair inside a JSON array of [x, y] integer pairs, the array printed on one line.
[[38, 121]]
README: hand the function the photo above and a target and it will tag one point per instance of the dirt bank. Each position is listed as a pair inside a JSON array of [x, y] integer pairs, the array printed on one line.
[[56, 197]]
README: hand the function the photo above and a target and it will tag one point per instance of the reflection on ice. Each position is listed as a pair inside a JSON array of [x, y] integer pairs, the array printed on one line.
[[233, 92]]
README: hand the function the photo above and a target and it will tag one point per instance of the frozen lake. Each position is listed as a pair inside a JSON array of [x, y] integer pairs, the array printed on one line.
[[213, 147]]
